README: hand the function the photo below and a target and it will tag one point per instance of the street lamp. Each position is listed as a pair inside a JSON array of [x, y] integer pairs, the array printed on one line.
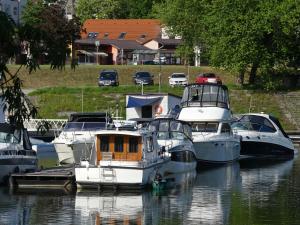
[[159, 74], [97, 43]]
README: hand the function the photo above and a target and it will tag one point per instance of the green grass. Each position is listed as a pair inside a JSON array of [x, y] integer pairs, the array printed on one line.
[[58, 93]]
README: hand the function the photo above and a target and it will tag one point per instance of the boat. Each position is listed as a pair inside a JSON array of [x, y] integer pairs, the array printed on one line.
[[16, 154], [206, 108], [262, 135], [175, 139], [78, 134], [121, 159]]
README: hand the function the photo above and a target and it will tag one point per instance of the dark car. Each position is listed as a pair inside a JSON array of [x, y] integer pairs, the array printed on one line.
[[144, 78], [108, 78]]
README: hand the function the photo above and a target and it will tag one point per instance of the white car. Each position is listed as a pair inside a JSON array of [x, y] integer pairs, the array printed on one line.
[[178, 79]]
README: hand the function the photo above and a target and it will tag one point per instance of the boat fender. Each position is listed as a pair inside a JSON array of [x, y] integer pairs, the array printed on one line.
[[158, 109]]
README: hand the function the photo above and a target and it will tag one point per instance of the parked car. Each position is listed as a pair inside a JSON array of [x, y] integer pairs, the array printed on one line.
[[143, 77], [208, 78], [108, 78], [178, 79]]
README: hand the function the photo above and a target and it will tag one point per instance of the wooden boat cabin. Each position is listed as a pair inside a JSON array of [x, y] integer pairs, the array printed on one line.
[[119, 147]]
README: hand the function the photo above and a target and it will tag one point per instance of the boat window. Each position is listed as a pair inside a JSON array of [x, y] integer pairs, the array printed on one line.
[[163, 135], [73, 126], [258, 123], [176, 126], [119, 140], [225, 128], [153, 126], [205, 95], [164, 126], [133, 144], [93, 125], [149, 144], [205, 127], [104, 143], [183, 156], [187, 130]]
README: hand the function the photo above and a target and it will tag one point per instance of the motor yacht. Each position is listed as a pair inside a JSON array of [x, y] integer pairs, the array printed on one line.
[[206, 108], [122, 159], [175, 139], [78, 134], [262, 135], [16, 154]]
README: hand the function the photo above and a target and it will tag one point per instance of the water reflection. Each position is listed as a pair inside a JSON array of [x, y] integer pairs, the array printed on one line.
[[260, 178], [148, 207], [257, 192], [212, 194]]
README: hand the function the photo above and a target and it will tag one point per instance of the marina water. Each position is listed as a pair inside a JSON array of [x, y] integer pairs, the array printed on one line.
[[246, 192]]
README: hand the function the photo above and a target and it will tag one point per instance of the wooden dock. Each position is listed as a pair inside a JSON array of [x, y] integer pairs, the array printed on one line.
[[52, 178]]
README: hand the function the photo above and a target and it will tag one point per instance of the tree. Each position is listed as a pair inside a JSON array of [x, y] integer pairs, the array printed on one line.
[[239, 35], [45, 29], [95, 9], [182, 18]]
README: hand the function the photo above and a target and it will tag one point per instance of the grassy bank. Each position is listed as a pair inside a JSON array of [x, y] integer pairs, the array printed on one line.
[[60, 92]]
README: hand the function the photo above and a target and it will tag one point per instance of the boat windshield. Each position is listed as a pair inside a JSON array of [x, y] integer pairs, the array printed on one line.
[[10, 137], [210, 127], [205, 95], [170, 129], [254, 123], [82, 126]]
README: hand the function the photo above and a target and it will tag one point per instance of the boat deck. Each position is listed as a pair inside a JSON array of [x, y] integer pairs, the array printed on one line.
[[56, 178]]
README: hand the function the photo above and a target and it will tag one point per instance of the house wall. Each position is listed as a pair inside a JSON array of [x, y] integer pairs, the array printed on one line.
[[167, 103], [152, 45], [114, 52], [13, 8]]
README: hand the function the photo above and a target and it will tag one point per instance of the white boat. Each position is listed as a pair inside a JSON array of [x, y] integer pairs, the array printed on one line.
[[262, 135], [78, 134], [206, 108], [122, 159], [175, 139], [16, 154]]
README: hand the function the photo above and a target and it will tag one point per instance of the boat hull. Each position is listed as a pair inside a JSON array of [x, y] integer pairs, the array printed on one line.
[[217, 151], [65, 153], [260, 148], [16, 164], [115, 176]]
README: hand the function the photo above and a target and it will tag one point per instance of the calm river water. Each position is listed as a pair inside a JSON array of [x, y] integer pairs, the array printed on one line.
[[265, 192]]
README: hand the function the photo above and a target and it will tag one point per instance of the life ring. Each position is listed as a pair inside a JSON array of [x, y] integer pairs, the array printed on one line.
[[158, 109]]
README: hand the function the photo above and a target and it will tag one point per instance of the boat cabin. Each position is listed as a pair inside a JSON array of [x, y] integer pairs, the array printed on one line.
[[168, 128], [205, 95], [124, 146]]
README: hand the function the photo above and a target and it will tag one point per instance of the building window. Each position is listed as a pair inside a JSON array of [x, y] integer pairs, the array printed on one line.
[[15, 11], [133, 144], [93, 34], [119, 144], [105, 35], [104, 143], [122, 35]]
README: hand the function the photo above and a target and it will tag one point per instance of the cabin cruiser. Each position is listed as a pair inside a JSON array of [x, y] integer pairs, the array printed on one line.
[[78, 134], [16, 154], [206, 108], [175, 139], [262, 135], [122, 159]]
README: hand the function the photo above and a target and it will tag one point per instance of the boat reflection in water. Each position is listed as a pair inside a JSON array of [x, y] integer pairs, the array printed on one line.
[[260, 178], [212, 194], [137, 207]]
